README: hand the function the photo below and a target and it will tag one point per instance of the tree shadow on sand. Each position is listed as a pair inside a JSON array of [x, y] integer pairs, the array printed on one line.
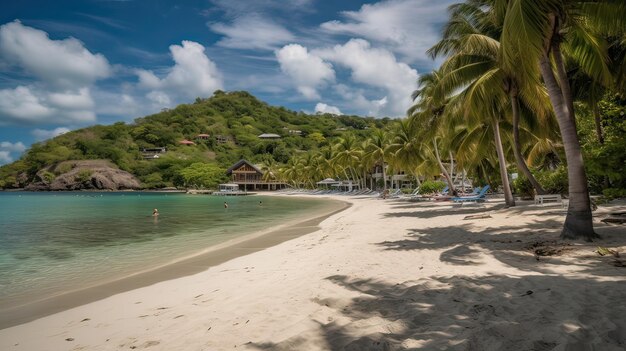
[[540, 311], [461, 313]]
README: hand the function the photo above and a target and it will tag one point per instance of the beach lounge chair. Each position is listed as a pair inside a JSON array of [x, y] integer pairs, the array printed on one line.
[[480, 197]]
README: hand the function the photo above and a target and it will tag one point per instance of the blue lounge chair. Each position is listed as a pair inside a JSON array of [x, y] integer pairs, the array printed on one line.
[[480, 197]]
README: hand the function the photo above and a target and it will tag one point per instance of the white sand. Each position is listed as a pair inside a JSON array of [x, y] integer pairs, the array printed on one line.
[[382, 275]]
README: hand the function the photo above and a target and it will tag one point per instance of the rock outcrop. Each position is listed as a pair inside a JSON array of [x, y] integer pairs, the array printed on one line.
[[84, 175]]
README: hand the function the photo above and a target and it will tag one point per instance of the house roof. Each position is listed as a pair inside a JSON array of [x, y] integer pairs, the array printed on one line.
[[269, 135], [241, 163], [203, 135], [186, 142]]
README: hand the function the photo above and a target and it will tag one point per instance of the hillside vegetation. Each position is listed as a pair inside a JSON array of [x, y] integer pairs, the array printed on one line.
[[237, 117]]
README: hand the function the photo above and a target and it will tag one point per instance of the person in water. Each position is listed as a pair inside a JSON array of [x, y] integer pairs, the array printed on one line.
[[225, 204], [155, 212]]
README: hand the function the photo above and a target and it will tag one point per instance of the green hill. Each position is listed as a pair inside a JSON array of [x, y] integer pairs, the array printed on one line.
[[233, 121]]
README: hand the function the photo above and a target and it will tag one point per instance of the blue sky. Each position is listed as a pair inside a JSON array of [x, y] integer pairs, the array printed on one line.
[[70, 64]]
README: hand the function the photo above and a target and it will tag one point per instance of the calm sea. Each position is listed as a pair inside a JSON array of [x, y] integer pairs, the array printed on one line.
[[50, 242]]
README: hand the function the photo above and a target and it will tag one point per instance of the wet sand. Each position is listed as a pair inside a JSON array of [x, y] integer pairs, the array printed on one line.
[[22, 311]]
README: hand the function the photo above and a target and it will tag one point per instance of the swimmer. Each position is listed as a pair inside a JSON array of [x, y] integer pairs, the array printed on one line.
[[155, 213], [225, 205]]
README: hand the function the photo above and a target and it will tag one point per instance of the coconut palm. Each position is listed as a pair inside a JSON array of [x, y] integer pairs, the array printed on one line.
[[471, 43], [428, 114], [377, 150], [535, 31]]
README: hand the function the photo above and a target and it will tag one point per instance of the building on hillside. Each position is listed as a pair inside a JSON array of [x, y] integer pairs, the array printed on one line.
[[223, 139], [295, 132], [269, 136], [186, 142], [152, 153], [203, 137], [250, 177]]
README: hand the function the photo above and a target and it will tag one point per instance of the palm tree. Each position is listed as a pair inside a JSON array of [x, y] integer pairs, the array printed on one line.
[[471, 43], [535, 31], [428, 113], [377, 148]]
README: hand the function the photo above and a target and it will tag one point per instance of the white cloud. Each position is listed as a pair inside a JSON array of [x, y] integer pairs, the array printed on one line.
[[12, 147], [193, 75], [5, 157], [43, 134], [7, 148], [321, 107], [234, 8], [377, 68], [65, 63], [308, 71], [407, 27], [358, 101], [29, 105], [251, 32]]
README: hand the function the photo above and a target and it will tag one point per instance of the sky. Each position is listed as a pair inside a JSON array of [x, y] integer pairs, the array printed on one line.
[[68, 64]]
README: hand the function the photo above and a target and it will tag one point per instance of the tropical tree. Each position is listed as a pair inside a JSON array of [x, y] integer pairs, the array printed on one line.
[[428, 114], [377, 149], [536, 31]]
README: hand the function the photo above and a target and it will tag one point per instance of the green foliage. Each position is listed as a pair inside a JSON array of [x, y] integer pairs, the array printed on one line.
[[431, 187], [523, 187], [554, 181], [83, 175], [614, 193], [48, 176], [202, 175], [605, 162]]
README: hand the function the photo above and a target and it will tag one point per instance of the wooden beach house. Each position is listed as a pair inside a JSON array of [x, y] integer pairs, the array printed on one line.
[[249, 177]]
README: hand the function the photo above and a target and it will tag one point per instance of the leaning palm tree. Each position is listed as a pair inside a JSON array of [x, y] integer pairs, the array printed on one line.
[[428, 114], [532, 38]]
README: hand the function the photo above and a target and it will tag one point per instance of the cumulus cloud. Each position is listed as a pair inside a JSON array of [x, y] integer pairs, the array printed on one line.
[[7, 148], [193, 75], [307, 70], [321, 107], [28, 105], [65, 63], [251, 32], [44, 134], [377, 68], [407, 27], [5, 157], [12, 147]]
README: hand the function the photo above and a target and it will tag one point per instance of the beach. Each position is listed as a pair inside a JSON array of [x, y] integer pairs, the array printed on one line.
[[379, 275]]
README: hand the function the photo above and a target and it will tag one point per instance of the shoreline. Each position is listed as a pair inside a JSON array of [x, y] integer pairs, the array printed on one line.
[[380, 275], [181, 267]]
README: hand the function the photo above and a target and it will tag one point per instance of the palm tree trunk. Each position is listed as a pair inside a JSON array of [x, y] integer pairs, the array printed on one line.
[[517, 148], [598, 122], [451, 164], [578, 222], [443, 169], [508, 195], [382, 160]]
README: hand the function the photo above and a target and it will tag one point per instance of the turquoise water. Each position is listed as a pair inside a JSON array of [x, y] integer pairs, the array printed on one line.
[[51, 242]]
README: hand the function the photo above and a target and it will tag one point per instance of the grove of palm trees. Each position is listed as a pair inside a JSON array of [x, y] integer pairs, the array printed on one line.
[[532, 88]]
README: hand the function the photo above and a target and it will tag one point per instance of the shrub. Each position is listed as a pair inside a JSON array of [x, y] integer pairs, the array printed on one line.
[[430, 187], [83, 175], [614, 193], [523, 187]]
